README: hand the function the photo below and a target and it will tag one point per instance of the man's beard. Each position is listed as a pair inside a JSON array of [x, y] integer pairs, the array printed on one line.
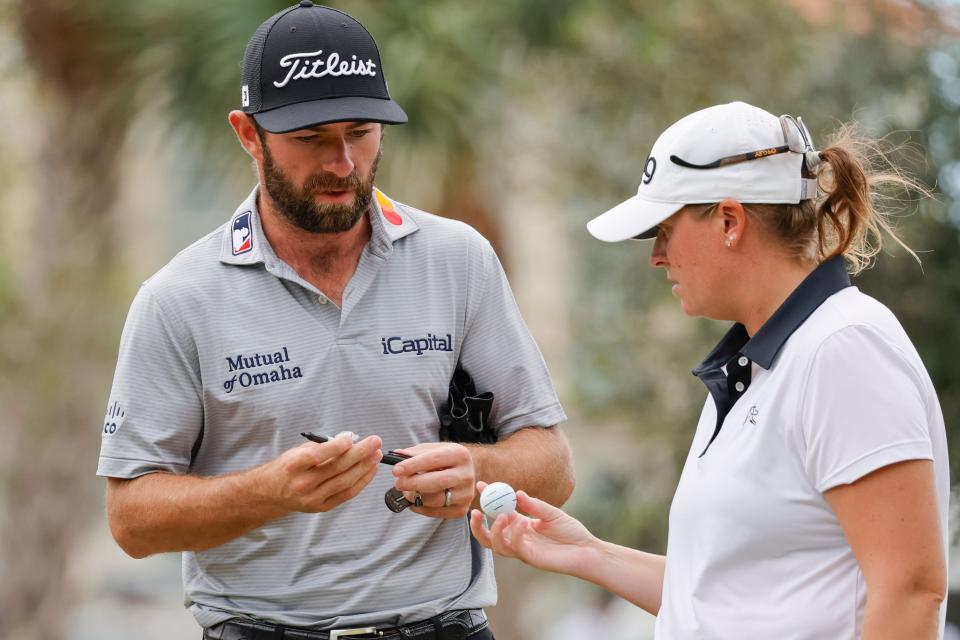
[[299, 207]]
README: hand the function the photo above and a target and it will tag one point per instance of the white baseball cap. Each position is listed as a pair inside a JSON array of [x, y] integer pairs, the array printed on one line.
[[730, 150]]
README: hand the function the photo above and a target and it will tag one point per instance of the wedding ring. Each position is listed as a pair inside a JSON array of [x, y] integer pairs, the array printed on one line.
[[447, 497], [418, 501]]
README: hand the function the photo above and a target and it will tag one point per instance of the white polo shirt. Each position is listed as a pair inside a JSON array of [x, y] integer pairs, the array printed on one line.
[[827, 391]]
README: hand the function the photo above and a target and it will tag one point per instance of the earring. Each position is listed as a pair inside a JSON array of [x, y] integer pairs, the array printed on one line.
[[729, 241]]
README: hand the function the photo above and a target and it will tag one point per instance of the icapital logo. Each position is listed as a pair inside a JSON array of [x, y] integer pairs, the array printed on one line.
[[397, 344], [279, 371]]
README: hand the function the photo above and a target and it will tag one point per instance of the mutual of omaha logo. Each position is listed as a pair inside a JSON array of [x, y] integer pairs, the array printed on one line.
[[242, 234], [395, 345], [113, 419], [258, 369], [314, 64]]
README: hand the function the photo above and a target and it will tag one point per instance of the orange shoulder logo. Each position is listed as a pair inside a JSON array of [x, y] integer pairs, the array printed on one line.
[[389, 211]]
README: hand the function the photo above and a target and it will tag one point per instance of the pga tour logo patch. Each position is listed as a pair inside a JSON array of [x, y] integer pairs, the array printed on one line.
[[242, 234]]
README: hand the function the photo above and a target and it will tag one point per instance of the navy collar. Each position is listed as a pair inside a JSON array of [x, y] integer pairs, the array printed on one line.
[[824, 281]]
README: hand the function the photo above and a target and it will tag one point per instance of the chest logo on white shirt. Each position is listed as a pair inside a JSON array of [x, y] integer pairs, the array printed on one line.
[[751, 416], [256, 369]]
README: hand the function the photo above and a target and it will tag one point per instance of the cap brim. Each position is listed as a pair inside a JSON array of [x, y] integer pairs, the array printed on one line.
[[317, 112], [633, 218]]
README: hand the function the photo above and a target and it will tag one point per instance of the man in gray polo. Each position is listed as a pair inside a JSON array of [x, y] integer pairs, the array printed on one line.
[[322, 305]]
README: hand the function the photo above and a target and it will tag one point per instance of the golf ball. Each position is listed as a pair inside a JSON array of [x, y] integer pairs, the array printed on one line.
[[497, 498]]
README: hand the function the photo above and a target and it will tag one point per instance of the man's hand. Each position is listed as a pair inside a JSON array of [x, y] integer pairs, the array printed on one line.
[[166, 512], [437, 470], [317, 477]]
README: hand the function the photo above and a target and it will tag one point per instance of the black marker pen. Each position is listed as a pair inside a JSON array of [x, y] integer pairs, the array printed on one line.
[[390, 457]]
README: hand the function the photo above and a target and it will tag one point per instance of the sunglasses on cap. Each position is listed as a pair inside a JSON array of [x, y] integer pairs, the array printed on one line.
[[796, 138]]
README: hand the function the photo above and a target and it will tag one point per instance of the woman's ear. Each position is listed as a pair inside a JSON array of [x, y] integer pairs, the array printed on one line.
[[733, 221]]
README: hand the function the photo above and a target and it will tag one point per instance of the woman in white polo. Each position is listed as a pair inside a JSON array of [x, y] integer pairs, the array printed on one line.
[[813, 502]]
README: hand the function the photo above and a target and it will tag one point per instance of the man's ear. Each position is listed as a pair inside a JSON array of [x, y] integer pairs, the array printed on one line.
[[246, 131], [733, 220]]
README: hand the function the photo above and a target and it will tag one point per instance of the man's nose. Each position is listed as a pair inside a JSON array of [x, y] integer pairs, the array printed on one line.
[[337, 159]]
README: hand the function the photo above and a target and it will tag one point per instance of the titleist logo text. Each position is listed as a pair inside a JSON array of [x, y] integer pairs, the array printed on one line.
[[313, 65]]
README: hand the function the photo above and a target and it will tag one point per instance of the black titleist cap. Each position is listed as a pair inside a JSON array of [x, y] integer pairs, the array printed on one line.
[[310, 65]]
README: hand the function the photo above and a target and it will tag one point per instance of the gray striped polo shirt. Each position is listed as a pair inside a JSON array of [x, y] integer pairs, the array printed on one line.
[[227, 355]]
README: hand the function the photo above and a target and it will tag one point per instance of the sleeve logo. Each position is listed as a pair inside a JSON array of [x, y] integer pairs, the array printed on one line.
[[113, 419]]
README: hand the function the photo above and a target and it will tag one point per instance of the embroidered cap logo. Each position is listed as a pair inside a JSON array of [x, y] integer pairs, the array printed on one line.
[[313, 65]]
